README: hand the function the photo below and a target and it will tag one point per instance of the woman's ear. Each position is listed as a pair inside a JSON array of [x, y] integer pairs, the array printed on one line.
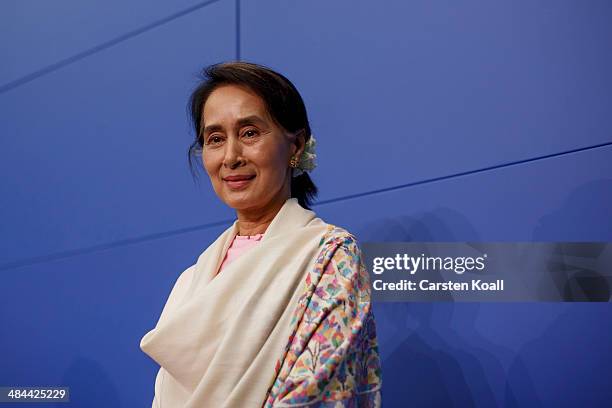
[[299, 142]]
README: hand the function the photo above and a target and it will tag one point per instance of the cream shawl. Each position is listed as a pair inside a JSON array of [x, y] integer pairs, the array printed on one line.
[[218, 337]]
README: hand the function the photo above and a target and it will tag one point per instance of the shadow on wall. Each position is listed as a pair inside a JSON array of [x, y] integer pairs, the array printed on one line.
[[585, 215], [573, 355], [426, 362], [441, 224], [86, 374], [572, 267], [569, 361]]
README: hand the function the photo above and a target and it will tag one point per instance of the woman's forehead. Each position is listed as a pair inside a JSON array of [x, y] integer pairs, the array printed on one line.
[[235, 104], [233, 96]]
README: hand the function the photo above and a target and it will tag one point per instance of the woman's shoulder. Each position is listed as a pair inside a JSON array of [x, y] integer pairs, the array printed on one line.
[[339, 236], [341, 255], [340, 270]]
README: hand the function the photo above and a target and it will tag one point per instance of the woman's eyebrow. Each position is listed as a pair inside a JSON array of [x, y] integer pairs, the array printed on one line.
[[211, 128]]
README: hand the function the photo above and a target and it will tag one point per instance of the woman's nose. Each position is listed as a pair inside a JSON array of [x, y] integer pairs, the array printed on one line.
[[233, 153]]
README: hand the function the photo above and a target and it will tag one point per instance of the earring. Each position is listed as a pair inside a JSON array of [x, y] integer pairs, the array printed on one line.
[[294, 162]]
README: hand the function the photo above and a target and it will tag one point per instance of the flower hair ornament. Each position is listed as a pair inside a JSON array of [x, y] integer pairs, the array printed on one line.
[[307, 159]]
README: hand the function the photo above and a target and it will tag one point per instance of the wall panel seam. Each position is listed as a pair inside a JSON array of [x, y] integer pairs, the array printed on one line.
[[105, 45]]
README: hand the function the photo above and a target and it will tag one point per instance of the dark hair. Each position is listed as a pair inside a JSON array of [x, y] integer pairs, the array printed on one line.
[[282, 100]]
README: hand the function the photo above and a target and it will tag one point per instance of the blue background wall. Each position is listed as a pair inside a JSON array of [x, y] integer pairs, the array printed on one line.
[[443, 121]]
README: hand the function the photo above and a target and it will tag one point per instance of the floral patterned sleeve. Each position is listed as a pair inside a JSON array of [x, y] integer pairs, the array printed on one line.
[[332, 357]]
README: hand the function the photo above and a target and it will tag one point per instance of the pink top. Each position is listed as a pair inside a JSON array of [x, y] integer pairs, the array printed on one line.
[[240, 244]]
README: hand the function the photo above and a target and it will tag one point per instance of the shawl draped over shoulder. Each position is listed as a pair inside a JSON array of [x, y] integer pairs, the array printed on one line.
[[287, 324]]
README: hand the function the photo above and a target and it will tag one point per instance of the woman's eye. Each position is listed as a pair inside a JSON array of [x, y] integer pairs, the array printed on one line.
[[250, 133], [214, 139]]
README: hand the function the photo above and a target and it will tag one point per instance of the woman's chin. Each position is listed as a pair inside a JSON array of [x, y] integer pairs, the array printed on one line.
[[239, 200]]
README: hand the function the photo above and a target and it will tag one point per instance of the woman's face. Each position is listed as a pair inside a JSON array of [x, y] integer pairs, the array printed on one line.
[[245, 154]]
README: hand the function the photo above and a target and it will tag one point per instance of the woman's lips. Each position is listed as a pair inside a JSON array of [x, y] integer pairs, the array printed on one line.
[[238, 184]]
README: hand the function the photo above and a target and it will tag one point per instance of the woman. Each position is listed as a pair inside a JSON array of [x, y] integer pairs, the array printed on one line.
[[276, 312]]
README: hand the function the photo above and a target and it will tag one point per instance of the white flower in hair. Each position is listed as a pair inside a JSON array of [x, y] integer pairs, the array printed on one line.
[[307, 159]]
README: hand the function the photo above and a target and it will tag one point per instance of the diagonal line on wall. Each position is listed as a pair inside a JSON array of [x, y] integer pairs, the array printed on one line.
[[150, 237], [84, 54], [111, 245], [461, 174]]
